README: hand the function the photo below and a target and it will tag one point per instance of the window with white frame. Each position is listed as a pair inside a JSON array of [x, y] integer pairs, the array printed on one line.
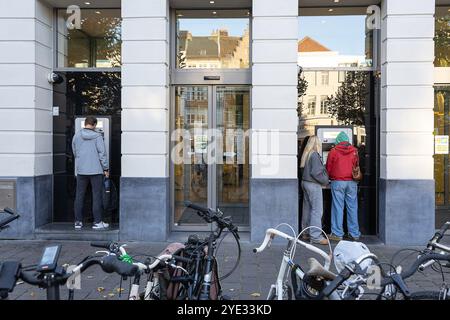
[[311, 105], [324, 78], [323, 105]]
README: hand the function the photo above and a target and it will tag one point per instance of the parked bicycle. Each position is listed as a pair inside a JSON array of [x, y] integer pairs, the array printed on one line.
[[49, 276], [202, 281], [182, 271], [435, 257], [392, 284], [309, 280]]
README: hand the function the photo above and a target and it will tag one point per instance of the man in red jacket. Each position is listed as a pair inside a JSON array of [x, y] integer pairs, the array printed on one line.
[[344, 190]]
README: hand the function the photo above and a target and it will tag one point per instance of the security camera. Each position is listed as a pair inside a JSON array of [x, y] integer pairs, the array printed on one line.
[[55, 78]]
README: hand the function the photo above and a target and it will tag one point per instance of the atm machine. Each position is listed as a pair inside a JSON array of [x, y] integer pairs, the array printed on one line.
[[103, 126], [327, 135]]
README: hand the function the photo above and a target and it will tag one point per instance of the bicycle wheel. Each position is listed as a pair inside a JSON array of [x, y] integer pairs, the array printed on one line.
[[428, 295]]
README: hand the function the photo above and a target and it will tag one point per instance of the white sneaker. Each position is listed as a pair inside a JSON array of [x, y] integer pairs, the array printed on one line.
[[78, 225], [100, 226]]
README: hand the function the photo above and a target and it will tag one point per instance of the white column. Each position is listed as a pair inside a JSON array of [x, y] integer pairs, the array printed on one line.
[[144, 187], [407, 198], [274, 93], [145, 92], [274, 184], [407, 97], [25, 94]]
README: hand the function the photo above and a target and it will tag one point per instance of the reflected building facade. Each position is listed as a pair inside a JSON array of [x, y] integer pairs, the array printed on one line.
[[216, 51]]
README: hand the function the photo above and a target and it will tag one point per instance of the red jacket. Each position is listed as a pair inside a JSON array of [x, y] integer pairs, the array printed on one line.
[[341, 160]]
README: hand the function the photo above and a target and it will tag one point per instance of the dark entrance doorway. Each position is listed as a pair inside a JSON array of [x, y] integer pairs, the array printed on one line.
[[82, 94], [346, 99]]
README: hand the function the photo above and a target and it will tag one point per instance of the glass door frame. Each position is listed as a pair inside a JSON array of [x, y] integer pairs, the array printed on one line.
[[212, 169], [198, 78], [446, 206]]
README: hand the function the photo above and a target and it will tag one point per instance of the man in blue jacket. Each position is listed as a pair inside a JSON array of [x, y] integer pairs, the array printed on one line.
[[91, 164]]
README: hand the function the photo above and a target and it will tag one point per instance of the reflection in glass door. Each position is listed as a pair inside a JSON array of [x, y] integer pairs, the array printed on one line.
[[189, 155], [210, 154], [233, 123], [442, 161]]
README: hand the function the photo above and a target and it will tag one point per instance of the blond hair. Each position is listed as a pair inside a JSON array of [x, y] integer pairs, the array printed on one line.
[[314, 145]]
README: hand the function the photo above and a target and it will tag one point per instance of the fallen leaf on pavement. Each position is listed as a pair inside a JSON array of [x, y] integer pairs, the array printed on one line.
[[256, 294], [100, 289]]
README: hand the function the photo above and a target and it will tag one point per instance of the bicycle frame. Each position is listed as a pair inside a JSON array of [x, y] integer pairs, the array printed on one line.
[[206, 284], [282, 274], [152, 280], [286, 262]]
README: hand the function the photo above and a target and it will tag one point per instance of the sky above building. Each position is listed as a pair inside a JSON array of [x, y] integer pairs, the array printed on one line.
[[345, 34]]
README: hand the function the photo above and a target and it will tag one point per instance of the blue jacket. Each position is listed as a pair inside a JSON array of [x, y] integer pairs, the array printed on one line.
[[90, 153]]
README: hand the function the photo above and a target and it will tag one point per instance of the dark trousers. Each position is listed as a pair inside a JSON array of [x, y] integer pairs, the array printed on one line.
[[97, 190]]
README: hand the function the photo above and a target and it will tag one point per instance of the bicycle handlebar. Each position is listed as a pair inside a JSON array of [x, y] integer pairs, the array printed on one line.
[[101, 244], [196, 207], [182, 259], [439, 234], [13, 216], [271, 233], [9, 211], [115, 248], [444, 228], [109, 264], [210, 215]]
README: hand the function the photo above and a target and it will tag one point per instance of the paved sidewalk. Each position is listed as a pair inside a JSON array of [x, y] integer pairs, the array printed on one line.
[[251, 280]]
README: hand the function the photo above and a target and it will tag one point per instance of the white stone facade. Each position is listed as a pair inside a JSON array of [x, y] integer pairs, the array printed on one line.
[[27, 56]]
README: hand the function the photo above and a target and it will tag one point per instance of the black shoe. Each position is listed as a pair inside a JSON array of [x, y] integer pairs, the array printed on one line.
[[350, 238]]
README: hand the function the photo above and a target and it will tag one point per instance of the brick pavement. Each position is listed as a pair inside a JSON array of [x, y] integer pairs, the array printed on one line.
[[251, 280]]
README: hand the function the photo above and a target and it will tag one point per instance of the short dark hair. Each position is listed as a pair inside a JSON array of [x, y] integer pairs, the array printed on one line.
[[90, 120]]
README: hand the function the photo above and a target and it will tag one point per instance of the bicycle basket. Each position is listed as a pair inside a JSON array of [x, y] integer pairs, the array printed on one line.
[[348, 251]]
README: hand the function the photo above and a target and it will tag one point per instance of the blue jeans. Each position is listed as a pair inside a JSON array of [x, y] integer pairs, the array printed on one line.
[[344, 193]]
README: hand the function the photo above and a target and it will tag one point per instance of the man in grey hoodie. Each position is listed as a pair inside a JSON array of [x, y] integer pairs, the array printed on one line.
[[91, 164]]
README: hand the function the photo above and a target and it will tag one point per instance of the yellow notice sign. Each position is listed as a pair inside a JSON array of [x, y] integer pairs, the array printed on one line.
[[441, 145]]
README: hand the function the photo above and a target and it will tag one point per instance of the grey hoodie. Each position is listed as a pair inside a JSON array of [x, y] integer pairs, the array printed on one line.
[[315, 171], [90, 153]]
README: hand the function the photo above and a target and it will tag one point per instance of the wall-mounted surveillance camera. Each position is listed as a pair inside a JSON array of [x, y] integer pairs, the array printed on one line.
[[55, 78]]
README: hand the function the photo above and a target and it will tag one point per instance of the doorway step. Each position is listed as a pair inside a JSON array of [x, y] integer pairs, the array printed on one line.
[[66, 231]]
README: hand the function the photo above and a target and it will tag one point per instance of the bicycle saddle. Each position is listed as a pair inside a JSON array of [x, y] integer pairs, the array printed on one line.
[[317, 270]]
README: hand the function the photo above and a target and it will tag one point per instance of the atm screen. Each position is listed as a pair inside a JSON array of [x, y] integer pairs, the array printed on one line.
[[99, 124], [330, 134]]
